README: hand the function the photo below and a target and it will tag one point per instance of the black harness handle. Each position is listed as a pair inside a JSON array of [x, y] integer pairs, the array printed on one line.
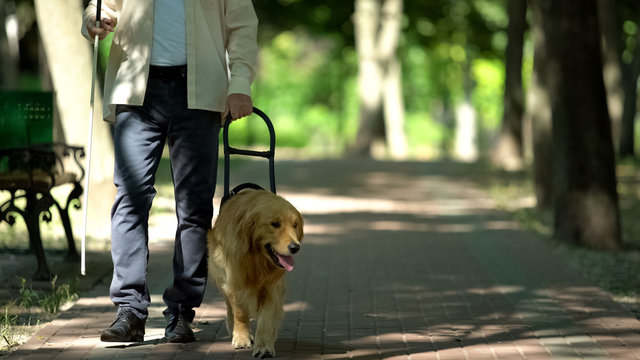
[[228, 151]]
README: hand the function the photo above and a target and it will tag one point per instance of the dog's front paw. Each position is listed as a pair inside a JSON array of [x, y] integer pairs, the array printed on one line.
[[242, 341], [264, 352]]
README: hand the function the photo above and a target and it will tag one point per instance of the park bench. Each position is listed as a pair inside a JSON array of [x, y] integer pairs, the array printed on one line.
[[32, 165]]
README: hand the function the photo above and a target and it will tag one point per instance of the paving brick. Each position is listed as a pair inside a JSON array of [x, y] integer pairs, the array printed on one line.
[[431, 271]]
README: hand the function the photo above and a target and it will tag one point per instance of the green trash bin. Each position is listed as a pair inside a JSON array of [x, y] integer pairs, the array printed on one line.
[[26, 118]]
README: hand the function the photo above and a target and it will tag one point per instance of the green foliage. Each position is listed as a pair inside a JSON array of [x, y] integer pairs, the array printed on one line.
[[307, 80], [28, 296], [8, 329], [629, 19], [49, 301], [425, 135], [58, 296], [489, 90], [305, 86]]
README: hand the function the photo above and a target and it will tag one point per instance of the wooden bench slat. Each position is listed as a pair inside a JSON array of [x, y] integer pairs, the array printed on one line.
[[39, 180]]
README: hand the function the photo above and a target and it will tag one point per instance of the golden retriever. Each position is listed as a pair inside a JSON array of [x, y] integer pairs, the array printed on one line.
[[250, 249]]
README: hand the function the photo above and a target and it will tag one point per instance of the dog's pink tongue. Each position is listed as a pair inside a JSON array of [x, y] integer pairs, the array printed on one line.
[[286, 261]]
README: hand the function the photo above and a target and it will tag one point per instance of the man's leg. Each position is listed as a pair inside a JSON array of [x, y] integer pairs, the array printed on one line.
[[193, 144], [138, 144]]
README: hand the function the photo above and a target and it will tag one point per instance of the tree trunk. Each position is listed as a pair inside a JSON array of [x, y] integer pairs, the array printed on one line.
[[465, 141], [465, 147], [631, 72], [69, 57], [392, 83], [508, 152], [539, 117], [9, 48], [610, 30], [377, 31], [366, 19], [586, 201]]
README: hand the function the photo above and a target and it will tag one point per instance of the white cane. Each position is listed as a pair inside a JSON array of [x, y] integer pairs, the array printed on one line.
[[85, 197]]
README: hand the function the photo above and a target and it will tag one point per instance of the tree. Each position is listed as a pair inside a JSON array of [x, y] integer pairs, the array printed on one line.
[[631, 73], [377, 34], [586, 201], [9, 46], [441, 39], [465, 143], [509, 150], [538, 116], [610, 30], [69, 58]]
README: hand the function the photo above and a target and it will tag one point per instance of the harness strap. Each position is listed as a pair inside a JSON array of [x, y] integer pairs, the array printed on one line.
[[237, 189]]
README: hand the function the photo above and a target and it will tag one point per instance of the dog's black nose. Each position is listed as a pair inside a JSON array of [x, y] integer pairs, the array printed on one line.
[[294, 248]]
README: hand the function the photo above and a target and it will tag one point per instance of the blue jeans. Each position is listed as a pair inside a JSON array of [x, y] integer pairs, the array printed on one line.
[[140, 134]]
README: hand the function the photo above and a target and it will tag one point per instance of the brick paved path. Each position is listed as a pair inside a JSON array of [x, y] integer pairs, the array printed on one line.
[[400, 261]]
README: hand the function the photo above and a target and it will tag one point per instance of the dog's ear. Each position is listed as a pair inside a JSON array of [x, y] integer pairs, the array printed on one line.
[[233, 226], [247, 231]]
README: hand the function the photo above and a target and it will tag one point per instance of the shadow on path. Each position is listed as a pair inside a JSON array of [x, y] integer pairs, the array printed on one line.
[[400, 260]]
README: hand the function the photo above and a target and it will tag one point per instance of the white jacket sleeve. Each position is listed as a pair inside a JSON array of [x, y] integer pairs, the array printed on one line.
[[241, 43], [108, 10]]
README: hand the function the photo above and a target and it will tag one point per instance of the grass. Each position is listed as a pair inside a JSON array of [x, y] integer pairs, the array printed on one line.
[[24, 310], [24, 315], [614, 271], [10, 336]]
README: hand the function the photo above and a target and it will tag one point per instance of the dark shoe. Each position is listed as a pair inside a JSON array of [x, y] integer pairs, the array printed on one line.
[[178, 328], [127, 328]]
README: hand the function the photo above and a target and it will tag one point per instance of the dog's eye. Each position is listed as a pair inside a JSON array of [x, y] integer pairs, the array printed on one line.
[[275, 224]]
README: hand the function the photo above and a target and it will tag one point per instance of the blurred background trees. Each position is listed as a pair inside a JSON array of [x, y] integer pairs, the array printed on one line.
[[378, 26], [514, 82], [584, 187]]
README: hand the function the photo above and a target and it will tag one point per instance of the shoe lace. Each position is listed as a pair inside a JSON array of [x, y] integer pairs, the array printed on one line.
[[174, 319], [125, 316], [177, 320]]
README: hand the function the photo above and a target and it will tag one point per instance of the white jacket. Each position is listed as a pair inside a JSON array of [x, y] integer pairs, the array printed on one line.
[[214, 27]]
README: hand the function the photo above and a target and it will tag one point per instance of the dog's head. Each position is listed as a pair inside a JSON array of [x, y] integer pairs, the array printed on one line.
[[273, 227], [281, 232]]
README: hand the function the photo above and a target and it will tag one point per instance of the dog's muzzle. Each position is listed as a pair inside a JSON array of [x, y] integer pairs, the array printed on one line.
[[284, 261]]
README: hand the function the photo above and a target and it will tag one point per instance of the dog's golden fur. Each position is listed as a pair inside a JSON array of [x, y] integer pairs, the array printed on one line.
[[250, 246]]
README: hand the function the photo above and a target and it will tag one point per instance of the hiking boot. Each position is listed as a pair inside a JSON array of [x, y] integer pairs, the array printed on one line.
[[178, 328], [126, 328]]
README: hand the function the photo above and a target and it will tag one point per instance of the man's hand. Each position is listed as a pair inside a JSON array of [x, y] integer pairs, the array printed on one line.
[[238, 105], [106, 27]]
